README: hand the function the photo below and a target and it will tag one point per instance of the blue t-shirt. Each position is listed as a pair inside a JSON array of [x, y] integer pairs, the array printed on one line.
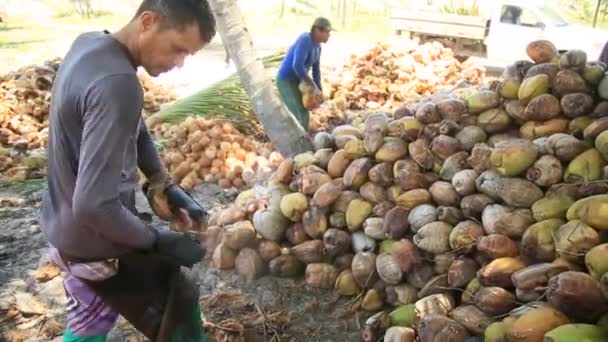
[[301, 56]]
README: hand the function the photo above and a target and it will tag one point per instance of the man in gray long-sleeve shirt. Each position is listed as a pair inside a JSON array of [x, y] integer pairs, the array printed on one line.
[[115, 263]]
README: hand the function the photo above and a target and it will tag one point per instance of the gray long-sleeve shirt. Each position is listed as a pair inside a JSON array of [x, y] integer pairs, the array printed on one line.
[[97, 140]]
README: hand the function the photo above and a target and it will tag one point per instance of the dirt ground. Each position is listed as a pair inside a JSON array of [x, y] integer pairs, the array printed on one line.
[[267, 309]]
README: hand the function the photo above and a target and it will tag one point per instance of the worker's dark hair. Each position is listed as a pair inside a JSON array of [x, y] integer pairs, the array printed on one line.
[[180, 13]]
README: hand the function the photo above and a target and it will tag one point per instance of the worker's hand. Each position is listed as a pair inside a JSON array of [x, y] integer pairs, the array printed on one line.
[[180, 247], [183, 205]]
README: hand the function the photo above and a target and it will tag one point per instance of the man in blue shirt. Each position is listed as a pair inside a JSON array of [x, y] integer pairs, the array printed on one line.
[[303, 55]]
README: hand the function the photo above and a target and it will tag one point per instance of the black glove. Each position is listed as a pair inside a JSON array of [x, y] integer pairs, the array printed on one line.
[[183, 249], [178, 198]]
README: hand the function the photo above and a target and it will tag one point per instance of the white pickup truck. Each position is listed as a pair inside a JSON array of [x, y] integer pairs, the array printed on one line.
[[502, 34]]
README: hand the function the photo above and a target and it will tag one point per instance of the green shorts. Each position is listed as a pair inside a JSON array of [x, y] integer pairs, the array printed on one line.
[[292, 97]]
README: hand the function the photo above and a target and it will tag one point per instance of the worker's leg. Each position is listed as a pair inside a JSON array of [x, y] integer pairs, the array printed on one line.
[[156, 297], [88, 317], [292, 97]]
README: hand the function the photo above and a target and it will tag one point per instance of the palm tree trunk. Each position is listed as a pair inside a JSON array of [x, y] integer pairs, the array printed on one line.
[[284, 132]]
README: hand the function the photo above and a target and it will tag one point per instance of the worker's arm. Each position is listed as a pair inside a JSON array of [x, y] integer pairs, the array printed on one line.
[[148, 158], [302, 50], [316, 74], [109, 124]]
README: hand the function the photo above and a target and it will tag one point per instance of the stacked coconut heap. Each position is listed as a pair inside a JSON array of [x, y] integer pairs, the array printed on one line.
[[154, 95], [389, 75], [483, 215], [213, 151], [24, 110]]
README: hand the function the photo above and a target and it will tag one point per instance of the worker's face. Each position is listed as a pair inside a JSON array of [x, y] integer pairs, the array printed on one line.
[[321, 35], [161, 49]]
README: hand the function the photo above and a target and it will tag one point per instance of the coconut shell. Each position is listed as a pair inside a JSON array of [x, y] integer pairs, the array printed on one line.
[[343, 261], [568, 82], [549, 69], [407, 128], [496, 246], [374, 228], [511, 158], [578, 295], [565, 147], [364, 269], [347, 130], [296, 234], [533, 325], [434, 237], [440, 328], [239, 235], [322, 157], [372, 301], [410, 180], [576, 332], [294, 205], [336, 242], [516, 110], [451, 109], [249, 264], [585, 167], [309, 252], [356, 173], [532, 87], [427, 113], [270, 223], [381, 174], [391, 150], [498, 219], [341, 204], [537, 129], [420, 275], [413, 198], [546, 171], [338, 164], [577, 104], [321, 276], [285, 266], [328, 193], [590, 210], [223, 258], [322, 140], [454, 164], [537, 242], [362, 243], [494, 300], [471, 135], [374, 138], [422, 215], [444, 146], [395, 223], [542, 108], [388, 269], [357, 212], [535, 276], [268, 250], [436, 285], [314, 221], [372, 193], [482, 101], [573, 59], [400, 295], [542, 51], [346, 285], [473, 319], [479, 159], [382, 208], [464, 235], [443, 193], [406, 255], [574, 239], [473, 205], [499, 272], [421, 152], [461, 271], [514, 192], [230, 216], [449, 215]]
